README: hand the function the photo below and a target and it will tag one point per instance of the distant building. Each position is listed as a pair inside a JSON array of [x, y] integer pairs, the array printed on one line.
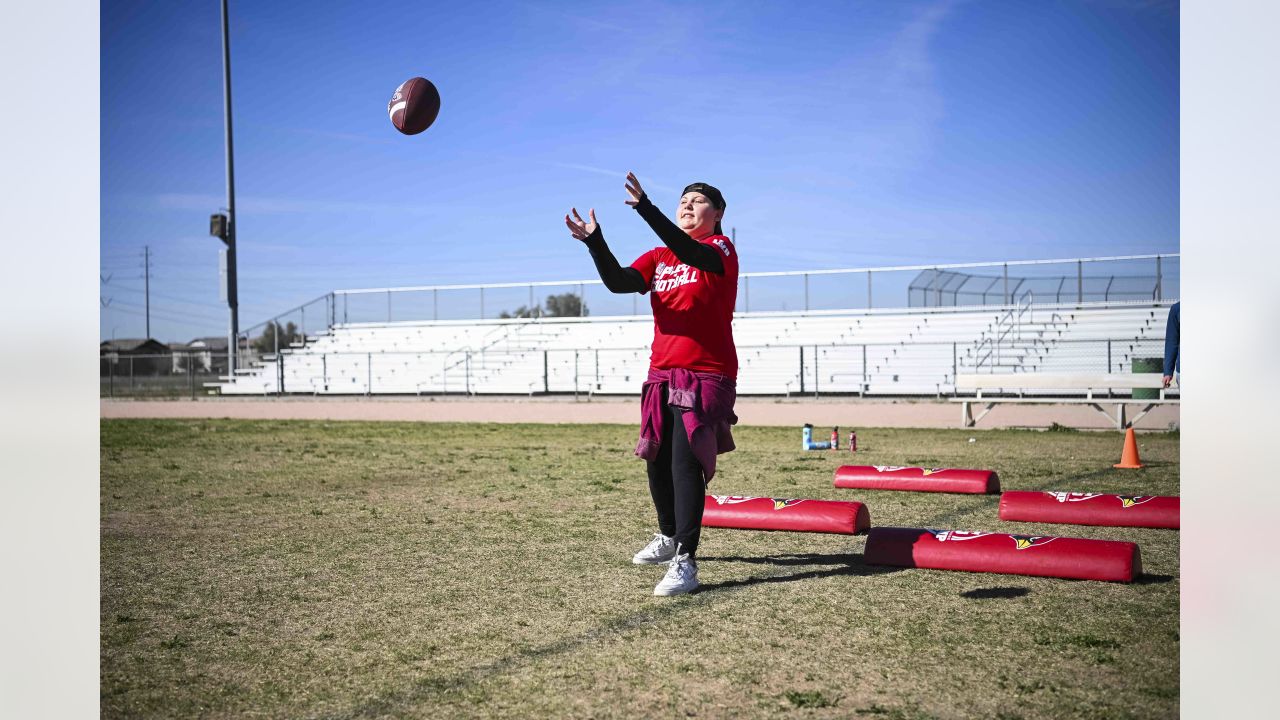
[[145, 356], [208, 353], [130, 346]]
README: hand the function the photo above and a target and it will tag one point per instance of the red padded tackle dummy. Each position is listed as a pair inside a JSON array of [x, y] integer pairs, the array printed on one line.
[[794, 514], [895, 477], [1150, 511], [1061, 557]]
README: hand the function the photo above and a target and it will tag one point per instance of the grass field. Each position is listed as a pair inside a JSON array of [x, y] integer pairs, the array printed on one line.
[[351, 570]]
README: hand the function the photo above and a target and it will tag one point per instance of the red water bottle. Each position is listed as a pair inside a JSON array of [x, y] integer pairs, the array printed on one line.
[[835, 438], [853, 441]]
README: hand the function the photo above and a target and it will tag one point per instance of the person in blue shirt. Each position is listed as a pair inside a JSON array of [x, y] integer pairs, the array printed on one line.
[[1172, 349]]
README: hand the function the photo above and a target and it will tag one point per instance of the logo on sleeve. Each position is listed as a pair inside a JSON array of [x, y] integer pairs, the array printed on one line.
[[724, 246]]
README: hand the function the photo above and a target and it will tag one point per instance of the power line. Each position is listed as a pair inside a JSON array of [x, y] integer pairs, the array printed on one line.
[[159, 315], [190, 325], [169, 315], [182, 313], [175, 298]]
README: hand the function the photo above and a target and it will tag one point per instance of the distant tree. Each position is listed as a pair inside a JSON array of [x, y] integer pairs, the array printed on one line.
[[566, 305], [266, 342], [523, 312]]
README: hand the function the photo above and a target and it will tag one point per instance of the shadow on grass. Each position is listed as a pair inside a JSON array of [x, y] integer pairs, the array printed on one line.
[[1159, 463], [395, 702], [981, 504], [994, 593], [1073, 481], [788, 559], [1146, 579], [846, 564], [1106, 473]]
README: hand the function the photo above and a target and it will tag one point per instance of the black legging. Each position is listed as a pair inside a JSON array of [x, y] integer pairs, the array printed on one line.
[[676, 484]]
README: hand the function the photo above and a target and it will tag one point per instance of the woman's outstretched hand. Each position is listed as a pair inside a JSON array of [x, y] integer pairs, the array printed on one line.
[[634, 190], [580, 228]]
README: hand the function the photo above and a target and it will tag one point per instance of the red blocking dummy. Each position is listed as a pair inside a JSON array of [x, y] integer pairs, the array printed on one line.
[[1060, 557], [794, 514], [893, 477]]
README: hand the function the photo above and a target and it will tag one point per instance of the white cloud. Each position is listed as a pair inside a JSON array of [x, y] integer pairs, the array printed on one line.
[[619, 175], [275, 206]]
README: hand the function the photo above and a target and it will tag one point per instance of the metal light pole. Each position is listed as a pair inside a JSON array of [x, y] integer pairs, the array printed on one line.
[[146, 249], [233, 302]]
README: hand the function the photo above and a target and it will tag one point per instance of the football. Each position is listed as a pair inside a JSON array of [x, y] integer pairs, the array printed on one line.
[[414, 106]]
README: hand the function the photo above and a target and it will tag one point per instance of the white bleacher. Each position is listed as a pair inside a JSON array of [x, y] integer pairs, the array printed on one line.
[[903, 352], [1100, 340]]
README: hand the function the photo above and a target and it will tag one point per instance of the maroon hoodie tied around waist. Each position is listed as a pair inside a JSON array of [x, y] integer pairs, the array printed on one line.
[[707, 402]]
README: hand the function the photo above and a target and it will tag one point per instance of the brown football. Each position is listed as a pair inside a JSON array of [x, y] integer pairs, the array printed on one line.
[[414, 106]]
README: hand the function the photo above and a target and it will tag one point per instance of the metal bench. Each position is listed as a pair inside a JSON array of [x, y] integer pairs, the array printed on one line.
[[1011, 388]]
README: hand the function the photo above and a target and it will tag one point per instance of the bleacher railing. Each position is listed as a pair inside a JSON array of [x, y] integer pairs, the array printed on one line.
[[805, 369], [1110, 280]]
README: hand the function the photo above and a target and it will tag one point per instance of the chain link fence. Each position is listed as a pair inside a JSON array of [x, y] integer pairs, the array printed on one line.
[[169, 375]]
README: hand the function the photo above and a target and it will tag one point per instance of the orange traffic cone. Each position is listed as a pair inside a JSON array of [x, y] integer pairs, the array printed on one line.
[[1129, 458]]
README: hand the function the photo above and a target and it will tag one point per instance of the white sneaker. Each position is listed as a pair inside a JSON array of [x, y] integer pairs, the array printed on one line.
[[659, 550], [681, 577]]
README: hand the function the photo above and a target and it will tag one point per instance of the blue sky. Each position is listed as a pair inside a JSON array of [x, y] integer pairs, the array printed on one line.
[[843, 134]]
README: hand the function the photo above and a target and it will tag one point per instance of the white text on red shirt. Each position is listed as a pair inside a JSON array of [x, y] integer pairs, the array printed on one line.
[[668, 277]]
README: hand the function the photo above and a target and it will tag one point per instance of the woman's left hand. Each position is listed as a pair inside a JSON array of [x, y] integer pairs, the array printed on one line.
[[634, 190]]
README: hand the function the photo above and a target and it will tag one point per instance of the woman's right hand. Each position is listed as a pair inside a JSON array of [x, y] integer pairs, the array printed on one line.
[[579, 228], [634, 190]]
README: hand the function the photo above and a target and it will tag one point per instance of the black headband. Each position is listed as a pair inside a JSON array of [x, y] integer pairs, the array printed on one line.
[[712, 194]]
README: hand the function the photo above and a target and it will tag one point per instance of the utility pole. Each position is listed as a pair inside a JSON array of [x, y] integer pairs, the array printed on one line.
[[146, 263], [233, 302]]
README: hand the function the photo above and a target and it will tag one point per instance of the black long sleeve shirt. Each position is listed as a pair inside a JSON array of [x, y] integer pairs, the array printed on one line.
[[619, 279], [689, 251]]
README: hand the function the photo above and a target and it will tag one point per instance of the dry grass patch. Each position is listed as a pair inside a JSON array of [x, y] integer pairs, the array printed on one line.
[[344, 570]]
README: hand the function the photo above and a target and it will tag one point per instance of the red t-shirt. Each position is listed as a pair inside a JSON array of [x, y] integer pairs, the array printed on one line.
[[692, 310]]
